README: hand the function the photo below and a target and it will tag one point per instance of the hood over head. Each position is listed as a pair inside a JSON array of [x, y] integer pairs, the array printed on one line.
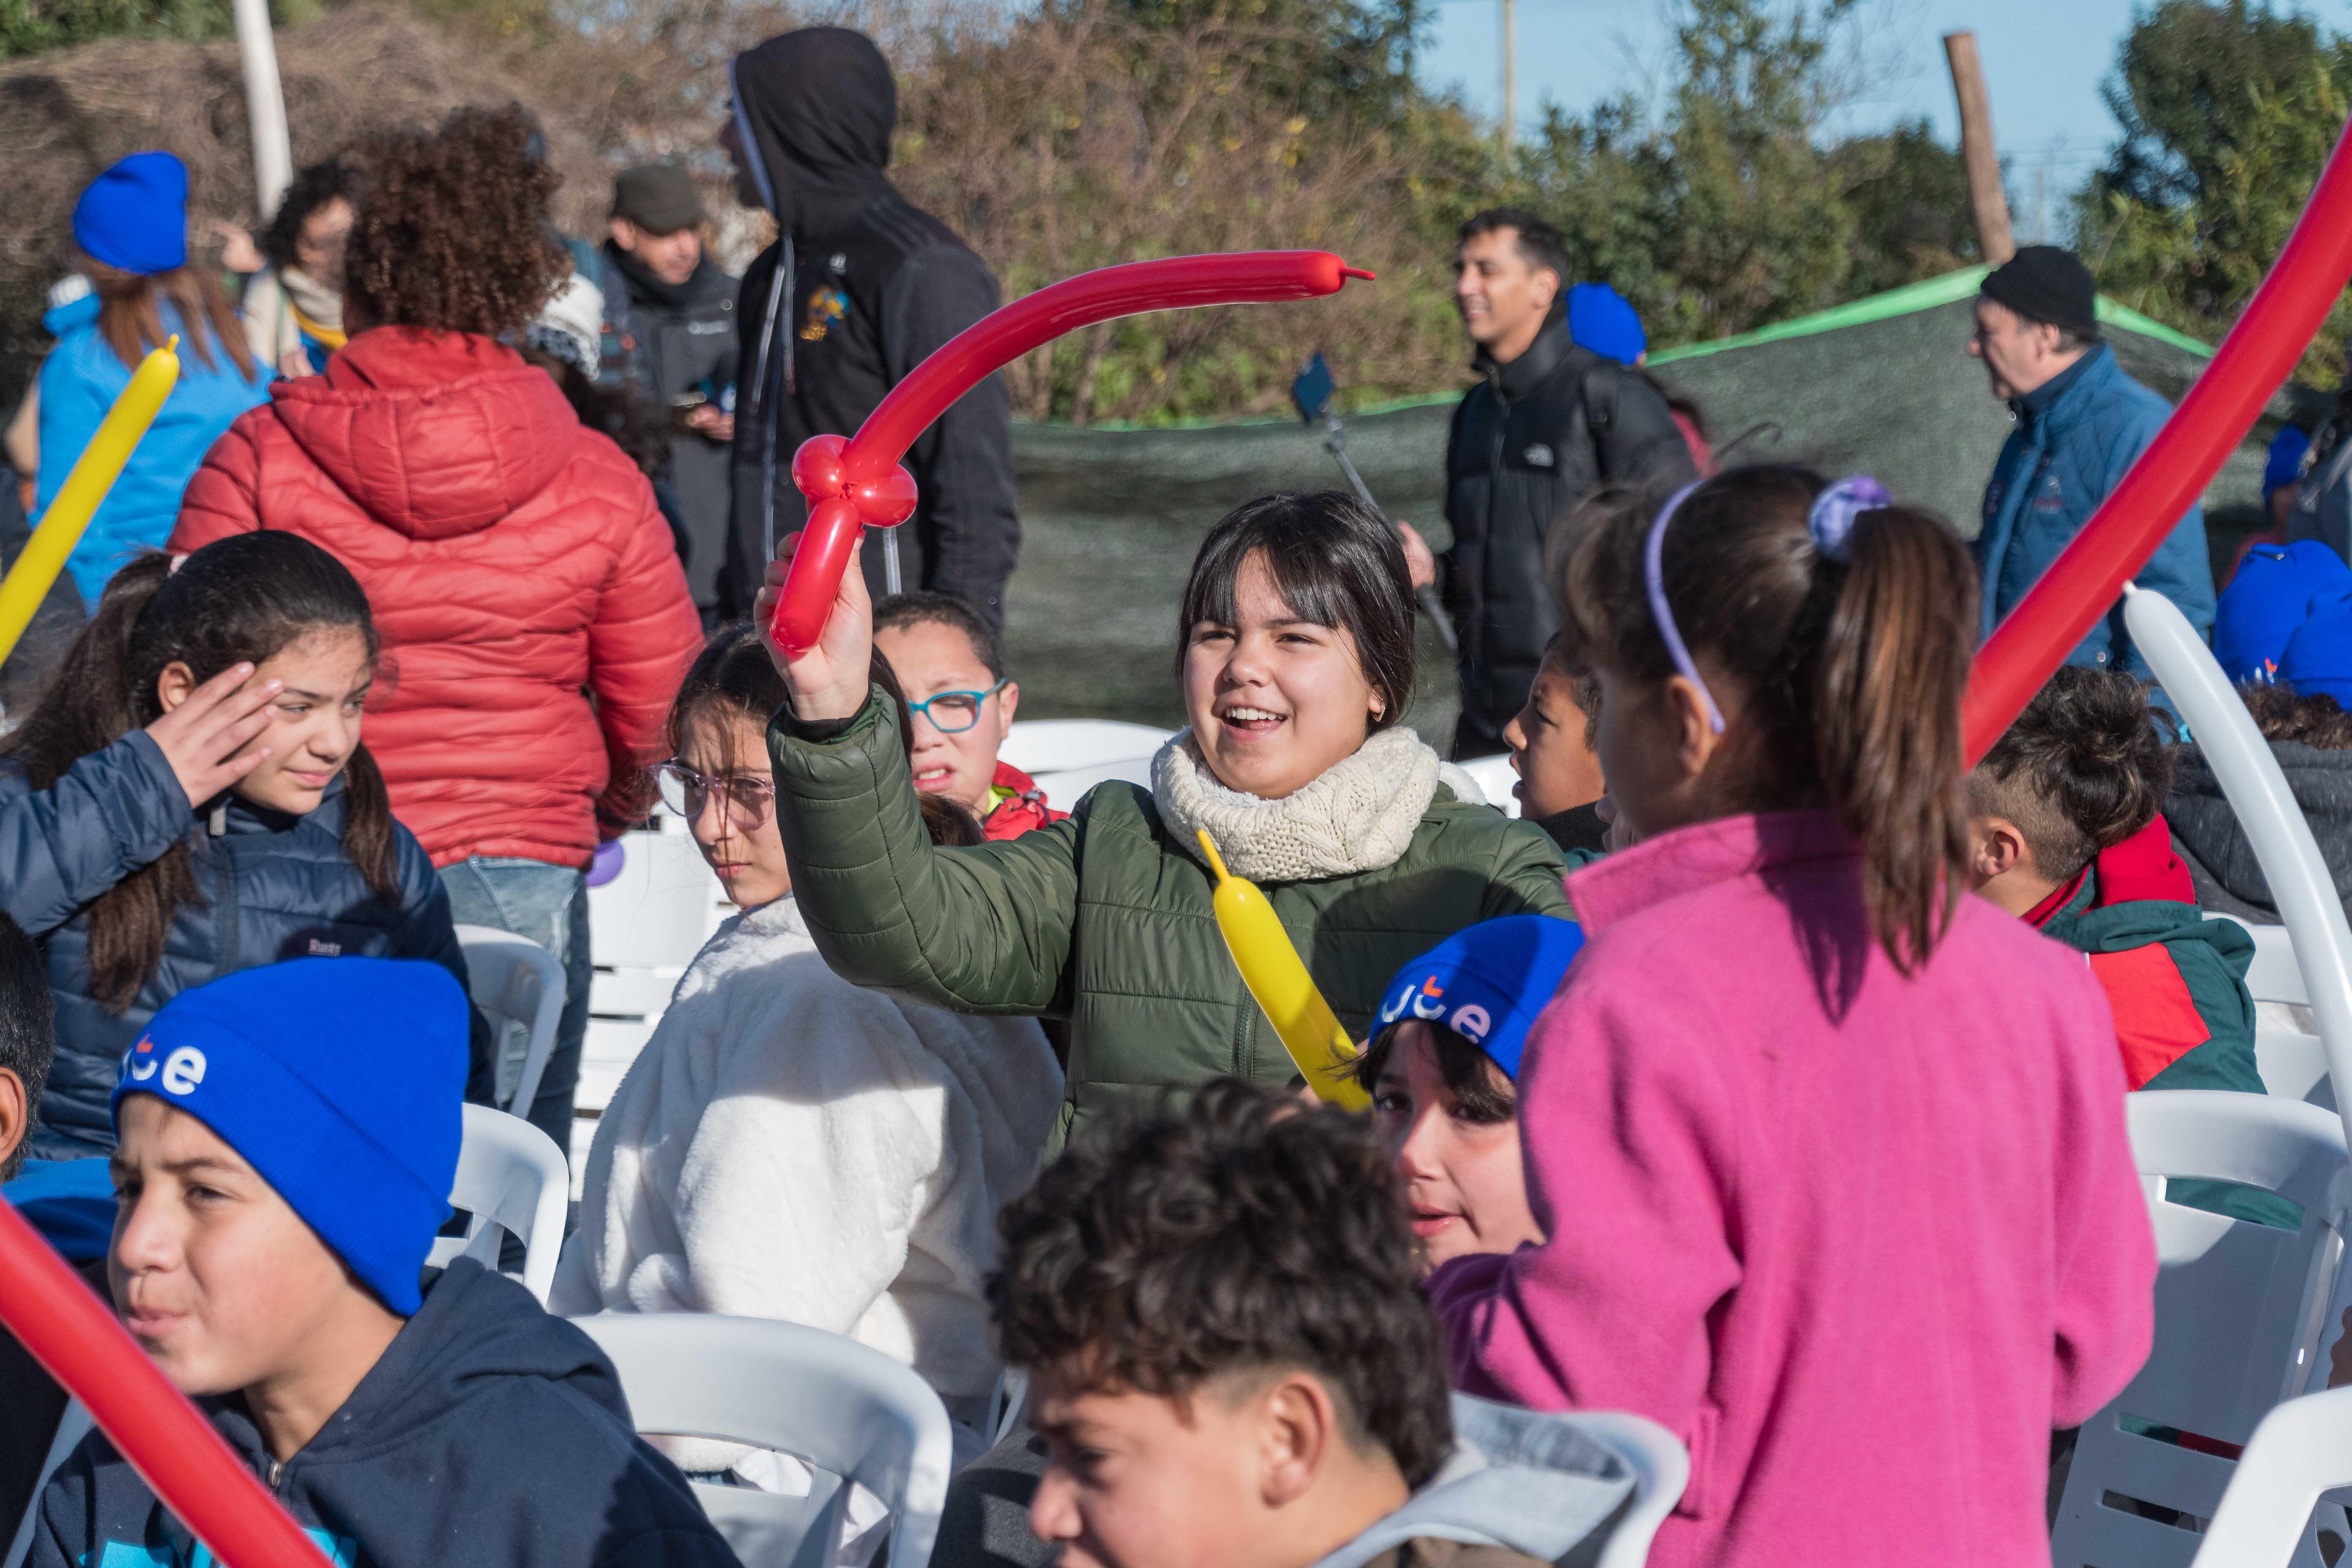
[[2231, 881], [814, 109], [1521, 1479], [433, 433]]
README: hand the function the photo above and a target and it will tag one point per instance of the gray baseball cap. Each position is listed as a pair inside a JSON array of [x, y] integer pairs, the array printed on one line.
[[659, 198]]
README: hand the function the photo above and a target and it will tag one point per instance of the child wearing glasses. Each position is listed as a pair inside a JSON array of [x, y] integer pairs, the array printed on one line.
[[950, 664], [789, 1145], [1293, 652]]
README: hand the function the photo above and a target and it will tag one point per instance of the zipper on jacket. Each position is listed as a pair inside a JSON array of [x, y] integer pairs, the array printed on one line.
[[275, 1473]]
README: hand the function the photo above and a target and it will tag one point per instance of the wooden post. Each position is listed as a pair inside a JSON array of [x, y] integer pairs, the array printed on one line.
[[1511, 81], [1987, 201]]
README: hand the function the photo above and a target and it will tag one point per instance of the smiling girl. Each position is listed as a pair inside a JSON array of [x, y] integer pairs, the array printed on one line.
[[1296, 664], [190, 797]]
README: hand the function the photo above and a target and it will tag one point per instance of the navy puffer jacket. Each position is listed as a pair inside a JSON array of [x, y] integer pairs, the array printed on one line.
[[274, 887]]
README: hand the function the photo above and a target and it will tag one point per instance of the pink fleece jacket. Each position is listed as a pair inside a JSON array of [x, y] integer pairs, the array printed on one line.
[[1861, 1241]]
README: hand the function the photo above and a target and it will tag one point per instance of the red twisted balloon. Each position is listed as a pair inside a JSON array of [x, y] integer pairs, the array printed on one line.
[[165, 1439], [2083, 582], [858, 483]]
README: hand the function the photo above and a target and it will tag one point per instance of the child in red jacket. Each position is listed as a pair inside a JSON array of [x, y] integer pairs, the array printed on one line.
[[1830, 1159]]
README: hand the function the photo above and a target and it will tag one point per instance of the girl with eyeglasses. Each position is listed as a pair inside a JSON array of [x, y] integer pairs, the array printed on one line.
[[1295, 653], [787, 1145]]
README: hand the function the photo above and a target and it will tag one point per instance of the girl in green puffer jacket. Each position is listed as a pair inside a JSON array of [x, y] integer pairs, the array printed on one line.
[[1297, 663]]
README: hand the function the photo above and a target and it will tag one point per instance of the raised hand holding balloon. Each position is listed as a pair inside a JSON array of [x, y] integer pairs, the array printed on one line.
[[856, 484]]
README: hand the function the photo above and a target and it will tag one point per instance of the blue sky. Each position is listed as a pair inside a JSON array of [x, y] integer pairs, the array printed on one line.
[[2044, 61]]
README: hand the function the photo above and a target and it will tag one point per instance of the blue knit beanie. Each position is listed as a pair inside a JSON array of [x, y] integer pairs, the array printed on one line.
[[2318, 656], [2283, 465], [1600, 319], [135, 217], [2272, 595], [1488, 982], [339, 1079]]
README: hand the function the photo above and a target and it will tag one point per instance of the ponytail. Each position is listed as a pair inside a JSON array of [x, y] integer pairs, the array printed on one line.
[[1886, 724], [240, 600], [1848, 650]]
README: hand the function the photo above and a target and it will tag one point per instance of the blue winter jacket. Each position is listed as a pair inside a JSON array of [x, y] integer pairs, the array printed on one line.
[[79, 382], [274, 887], [2076, 435]]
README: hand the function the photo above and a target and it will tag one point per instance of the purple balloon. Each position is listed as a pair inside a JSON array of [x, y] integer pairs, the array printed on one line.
[[607, 863]]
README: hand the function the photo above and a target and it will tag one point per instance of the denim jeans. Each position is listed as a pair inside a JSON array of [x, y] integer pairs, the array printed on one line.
[[549, 905]]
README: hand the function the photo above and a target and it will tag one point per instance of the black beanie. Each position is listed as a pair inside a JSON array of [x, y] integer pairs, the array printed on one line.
[[2043, 283]]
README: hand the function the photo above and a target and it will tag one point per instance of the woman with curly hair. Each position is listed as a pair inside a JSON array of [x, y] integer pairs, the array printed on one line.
[[527, 588]]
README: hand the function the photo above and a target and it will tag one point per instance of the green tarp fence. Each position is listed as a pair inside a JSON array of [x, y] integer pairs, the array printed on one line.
[[1111, 517]]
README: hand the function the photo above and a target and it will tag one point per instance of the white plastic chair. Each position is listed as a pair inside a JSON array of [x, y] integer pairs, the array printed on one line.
[[2288, 1053], [512, 1179], [514, 981], [2281, 841], [2302, 1449], [2241, 1313], [1661, 1467], [72, 1428], [850, 1411]]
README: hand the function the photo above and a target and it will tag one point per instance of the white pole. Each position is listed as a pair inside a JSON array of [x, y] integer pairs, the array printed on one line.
[[265, 105]]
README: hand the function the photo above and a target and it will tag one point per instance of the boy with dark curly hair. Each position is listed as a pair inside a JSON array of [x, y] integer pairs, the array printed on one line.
[[1230, 1362], [2069, 836]]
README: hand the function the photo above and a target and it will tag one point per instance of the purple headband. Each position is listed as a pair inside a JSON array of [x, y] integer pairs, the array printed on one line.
[[1831, 522]]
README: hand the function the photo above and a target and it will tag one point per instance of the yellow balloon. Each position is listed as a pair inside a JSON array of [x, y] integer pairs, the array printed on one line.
[[1262, 950], [94, 473]]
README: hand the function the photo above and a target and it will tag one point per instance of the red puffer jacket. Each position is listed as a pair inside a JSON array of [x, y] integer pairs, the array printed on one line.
[[516, 566]]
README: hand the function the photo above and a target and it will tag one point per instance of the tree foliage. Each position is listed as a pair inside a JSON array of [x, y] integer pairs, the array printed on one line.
[[2228, 111]]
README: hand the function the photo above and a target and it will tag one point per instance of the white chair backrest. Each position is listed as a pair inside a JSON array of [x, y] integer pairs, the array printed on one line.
[[72, 1427], [1661, 1467], [2241, 1311], [2300, 882], [512, 1179], [850, 1411], [514, 981], [2292, 1059], [2302, 1449]]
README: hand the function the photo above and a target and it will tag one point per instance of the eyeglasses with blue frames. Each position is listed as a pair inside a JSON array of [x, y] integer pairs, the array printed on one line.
[[953, 712]]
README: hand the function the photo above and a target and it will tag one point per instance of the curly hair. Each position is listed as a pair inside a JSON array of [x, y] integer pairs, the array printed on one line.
[[1240, 1233], [332, 178], [452, 232], [2281, 713], [2085, 766]]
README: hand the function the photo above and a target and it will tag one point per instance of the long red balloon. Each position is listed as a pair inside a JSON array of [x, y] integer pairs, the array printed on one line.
[[2083, 582], [167, 1439], [858, 483]]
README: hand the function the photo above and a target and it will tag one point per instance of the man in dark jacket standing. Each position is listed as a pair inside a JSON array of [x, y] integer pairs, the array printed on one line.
[[860, 287], [675, 311], [1549, 423]]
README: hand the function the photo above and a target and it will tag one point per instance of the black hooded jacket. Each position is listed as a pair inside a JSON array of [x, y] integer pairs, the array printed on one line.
[[873, 285], [1532, 439], [489, 1435], [2208, 838]]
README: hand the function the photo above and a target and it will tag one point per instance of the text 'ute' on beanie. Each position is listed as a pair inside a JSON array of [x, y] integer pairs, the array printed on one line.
[[2043, 283], [340, 1081], [1488, 982], [135, 217]]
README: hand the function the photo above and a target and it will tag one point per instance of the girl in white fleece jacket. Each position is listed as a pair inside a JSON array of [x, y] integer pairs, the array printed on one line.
[[789, 1145]]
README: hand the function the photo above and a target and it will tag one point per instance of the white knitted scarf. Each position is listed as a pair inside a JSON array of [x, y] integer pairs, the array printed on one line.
[[1358, 817]]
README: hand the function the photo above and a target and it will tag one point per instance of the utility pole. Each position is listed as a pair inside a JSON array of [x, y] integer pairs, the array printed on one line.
[[1511, 81], [1987, 201]]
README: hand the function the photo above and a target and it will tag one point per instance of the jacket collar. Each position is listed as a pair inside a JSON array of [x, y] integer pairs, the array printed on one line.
[[2057, 399], [1531, 369], [1701, 856]]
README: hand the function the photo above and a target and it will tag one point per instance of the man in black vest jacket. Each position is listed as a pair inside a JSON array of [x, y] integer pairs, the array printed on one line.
[[868, 285], [675, 311], [1549, 423]]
